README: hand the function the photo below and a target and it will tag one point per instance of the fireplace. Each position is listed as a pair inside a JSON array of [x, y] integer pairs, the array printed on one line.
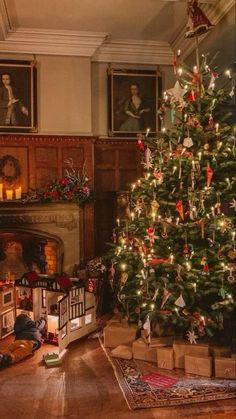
[[42, 237]]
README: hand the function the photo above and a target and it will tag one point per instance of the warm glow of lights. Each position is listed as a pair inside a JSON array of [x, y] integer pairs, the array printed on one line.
[[123, 266]]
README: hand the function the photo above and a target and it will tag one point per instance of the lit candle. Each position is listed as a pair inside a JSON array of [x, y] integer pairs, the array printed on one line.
[[1, 191], [217, 127], [194, 286], [9, 193], [118, 222], [153, 216], [178, 52], [180, 71], [213, 211], [18, 192], [132, 216], [199, 155], [228, 73], [147, 132], [171, 258]]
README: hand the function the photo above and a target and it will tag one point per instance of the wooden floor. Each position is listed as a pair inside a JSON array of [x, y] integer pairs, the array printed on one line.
[[84, 387]]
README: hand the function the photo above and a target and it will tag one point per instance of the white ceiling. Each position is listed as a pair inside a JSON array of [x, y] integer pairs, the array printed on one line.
[[102, 27], [132, 19]]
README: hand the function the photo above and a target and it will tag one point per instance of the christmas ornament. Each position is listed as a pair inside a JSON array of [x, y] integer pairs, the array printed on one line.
[[209, 174], [123, 278], [180, 209], [192, 337], [159, 176], [90, 285], [230, 277], [185, 250], [232, 204], [198, 23], [180, 301], [111, 274], [154, 206], [140, 144], [191, 96], [188, 142], [177, 93], [231, 254], [155, 294], [222, 292], [166, 295], [64, 281], [148, 159], [31, 277], [205, 267]]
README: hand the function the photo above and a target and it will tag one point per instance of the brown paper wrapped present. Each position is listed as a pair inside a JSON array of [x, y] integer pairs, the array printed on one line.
[[165, 358], [225, 368], [149, 352], [220, 351], [182, 348], [198, 365], [117, 333]]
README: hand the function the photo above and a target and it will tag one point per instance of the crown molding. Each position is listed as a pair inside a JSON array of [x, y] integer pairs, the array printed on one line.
[[214, 13], [40, 41], [135, 52]]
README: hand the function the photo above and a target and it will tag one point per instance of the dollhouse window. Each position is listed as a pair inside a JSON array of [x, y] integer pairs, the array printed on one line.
[[7, 298], [75, 324], [88, 318]]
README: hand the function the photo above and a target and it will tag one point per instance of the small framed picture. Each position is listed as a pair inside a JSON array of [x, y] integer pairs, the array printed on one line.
[[18, 96], [133, 101]]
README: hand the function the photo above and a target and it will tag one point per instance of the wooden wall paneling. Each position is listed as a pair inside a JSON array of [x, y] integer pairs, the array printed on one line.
[[42, 159], [117, 164]]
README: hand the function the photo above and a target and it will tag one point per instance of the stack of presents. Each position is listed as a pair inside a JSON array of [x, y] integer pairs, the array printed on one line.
[[201, 359]]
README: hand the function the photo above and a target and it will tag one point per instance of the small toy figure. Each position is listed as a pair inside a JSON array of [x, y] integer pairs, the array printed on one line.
[[28, 338]]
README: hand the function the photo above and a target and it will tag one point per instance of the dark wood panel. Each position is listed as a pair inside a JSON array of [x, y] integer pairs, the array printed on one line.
[[42, 158]]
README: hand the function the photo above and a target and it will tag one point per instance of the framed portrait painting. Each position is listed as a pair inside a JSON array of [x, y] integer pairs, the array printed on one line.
[[18, 96], [133, 101]]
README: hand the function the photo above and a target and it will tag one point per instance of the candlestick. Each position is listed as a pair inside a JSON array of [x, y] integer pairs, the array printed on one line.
[[18, 192], [9, 193], [1, 191]]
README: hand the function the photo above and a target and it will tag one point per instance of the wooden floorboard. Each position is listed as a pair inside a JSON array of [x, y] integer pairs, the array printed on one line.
[[84, 387]]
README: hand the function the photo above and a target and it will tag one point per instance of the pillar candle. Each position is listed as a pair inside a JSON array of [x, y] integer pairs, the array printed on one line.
[[1, 191], [18, 193], [9, 193]]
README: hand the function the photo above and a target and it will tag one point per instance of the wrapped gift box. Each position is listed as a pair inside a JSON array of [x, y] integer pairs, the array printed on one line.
[[199, 365], [117, 333], [165, 358], [225, 368], [149, 352], [122, 351], [182, 348], [220, 351]]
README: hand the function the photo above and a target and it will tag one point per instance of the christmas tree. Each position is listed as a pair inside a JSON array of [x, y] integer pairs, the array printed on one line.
[[173, 258]]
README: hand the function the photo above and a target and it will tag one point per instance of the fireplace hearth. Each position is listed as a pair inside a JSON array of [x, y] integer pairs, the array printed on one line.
[[43, 237]]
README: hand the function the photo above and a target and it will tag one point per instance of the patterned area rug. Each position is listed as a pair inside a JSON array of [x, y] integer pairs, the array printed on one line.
[[188, 389]]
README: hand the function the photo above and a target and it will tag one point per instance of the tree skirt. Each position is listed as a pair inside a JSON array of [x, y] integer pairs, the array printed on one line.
[[188, 388]]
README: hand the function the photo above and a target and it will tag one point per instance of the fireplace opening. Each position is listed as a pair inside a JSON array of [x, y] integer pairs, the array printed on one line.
[[22, 251]]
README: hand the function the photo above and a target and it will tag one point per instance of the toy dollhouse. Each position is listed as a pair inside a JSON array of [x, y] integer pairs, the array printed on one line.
[[7, 308], [70, 313]]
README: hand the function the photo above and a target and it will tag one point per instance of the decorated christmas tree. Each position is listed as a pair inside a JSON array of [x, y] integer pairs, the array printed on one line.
[[173, 257]]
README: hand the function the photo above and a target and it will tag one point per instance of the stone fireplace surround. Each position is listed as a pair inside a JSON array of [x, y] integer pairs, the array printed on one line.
[[61, 222]]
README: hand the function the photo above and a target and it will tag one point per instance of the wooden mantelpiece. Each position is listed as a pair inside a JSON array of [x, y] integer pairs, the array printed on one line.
[[42, 158]]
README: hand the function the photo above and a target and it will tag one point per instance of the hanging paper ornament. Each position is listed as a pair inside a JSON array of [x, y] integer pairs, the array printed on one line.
[[222, 292], [140, 144], [146, 335], [177, 93], [190, 96], [192, 337], [159, 176], [155, 294], [180, 209], [198, 23], [188, 142], [123, 278], [148, 159], [212, 80], [205, 267], [154, 205], [209, 174], [232, 204], [185, 250], [180, 301], [166, 295]]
